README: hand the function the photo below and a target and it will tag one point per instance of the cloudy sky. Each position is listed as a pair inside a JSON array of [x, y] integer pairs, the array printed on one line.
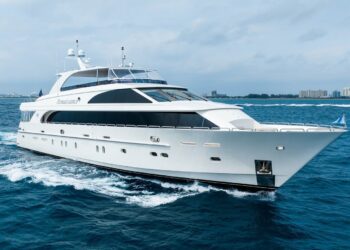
[[236, 47]]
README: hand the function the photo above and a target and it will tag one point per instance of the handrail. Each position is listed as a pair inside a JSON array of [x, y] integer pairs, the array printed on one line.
[[303, 124], [307, 128]]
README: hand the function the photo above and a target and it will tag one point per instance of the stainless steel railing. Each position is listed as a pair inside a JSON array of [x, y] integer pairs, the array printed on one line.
[[303, 127]]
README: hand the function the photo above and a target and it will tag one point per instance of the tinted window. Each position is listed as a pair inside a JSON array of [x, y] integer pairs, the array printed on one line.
[[178, 119], [157, 95], [119, 96], [193, 96], [86, 78], [85, 84], [169, 94], [94, 77], [176, 94]]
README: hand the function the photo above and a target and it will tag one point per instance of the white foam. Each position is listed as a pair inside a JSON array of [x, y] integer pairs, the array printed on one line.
[[8, 138], [154, 200], [192, 187], [262, 195], [43, 172], [58, 172]]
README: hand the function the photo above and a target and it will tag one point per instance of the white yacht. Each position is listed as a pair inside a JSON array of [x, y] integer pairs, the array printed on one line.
[[129, 119]]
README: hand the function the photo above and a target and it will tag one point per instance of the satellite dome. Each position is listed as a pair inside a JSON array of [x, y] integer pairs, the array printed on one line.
[[70, 52], [81, 53]]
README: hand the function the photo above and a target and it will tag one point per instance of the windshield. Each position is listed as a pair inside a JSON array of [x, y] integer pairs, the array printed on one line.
[[135, 75], [169, 95], [101, 76]]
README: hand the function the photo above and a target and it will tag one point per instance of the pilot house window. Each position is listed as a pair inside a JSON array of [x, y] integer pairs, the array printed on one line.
[[170, 94]]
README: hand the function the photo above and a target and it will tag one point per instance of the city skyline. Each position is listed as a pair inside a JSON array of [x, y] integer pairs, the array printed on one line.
[[344, 92], [261, 47]]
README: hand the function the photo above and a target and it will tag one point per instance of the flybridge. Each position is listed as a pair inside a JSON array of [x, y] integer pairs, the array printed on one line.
[[88, 75], [101, 76]]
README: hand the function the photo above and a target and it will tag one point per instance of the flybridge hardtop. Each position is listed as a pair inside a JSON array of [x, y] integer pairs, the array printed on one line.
[[104, 75], [76, 79], [129, 119]]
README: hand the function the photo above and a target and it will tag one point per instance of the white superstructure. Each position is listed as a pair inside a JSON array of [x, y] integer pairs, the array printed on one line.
[[129, 119]]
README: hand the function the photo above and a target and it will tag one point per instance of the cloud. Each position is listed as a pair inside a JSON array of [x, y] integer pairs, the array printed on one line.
[[311, 35], [305, 14], [235, 45], [345, 59], [204, 33]]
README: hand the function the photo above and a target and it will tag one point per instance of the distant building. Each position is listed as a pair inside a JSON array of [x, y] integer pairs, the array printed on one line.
[[336, 94], [313, 94], [346, 92], [215, 94], [303, 93]]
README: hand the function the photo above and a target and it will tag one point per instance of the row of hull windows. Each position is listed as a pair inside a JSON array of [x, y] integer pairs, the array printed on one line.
[[103, 149], [162, 119], [65, 144], [123, 150]]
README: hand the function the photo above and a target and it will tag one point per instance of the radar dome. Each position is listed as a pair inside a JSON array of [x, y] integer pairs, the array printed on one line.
[[70, 52], [81, 53]]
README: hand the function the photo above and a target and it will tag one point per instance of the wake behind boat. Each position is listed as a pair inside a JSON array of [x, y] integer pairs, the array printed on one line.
[[130, 119]]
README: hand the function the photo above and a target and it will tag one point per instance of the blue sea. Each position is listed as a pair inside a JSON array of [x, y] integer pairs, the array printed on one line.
[[51, 203]]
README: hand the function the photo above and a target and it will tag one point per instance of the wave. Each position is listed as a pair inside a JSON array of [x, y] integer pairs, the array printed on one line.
[[8, 138], [293, 105], [124, 188], [262, 195]]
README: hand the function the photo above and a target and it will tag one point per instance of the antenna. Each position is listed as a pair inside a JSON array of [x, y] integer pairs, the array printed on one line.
[[77, 43], [123, 57]]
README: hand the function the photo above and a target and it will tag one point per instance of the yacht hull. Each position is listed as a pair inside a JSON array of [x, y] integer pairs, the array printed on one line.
[[248, 160]]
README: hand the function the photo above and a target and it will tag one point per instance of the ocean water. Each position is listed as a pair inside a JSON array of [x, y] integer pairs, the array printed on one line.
[[50, 203]]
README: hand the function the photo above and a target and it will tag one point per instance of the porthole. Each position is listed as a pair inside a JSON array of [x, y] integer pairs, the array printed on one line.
[[164, 155], [154, 154], [215, 158], [123, 150], [62, 132]]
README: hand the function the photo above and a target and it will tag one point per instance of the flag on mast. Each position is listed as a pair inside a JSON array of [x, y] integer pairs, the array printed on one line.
[[340, 121]]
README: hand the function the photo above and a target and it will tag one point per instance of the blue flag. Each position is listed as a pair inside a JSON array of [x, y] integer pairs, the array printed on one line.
[[340, 121]]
